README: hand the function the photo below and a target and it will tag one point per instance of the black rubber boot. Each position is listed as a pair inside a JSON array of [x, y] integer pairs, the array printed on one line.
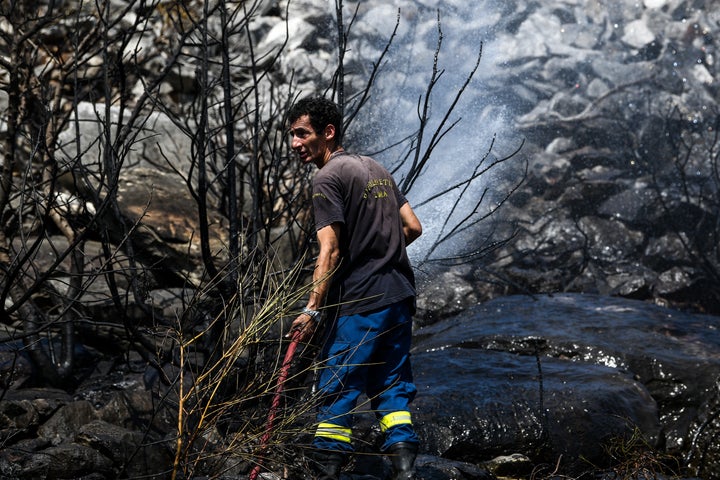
[[402, 456], [328, 465]]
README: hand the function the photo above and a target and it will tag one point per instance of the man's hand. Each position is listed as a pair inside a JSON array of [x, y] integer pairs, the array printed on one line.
[[304, 324]]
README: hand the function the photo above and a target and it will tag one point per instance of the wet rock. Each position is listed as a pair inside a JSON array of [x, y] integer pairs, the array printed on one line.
[[438, 468], [553, 378], [449, 296], [610, 241], [480, 369], [577, 77], [673, 280], [629, 280], [666, 251], [476, 404], [704, 451], [630, 205], [582, 198]]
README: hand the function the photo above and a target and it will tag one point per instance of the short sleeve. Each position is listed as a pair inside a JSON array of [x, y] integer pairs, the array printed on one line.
[[327, 201], [401, 200]]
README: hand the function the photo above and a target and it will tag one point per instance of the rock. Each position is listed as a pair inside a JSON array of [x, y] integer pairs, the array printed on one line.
[[515, 465], [66, 460], [17, 416], [476, 404], [442, 298], [583, 198], [160, 139], [130, 405], [437, 468], [66, 422], [637, 34], [629, 205], [584, 98], [538, 377], [23, 411], [130, 450], [117, 443], [168, 218], [14, 456], [610, 241], [479, 374], [666, 251]]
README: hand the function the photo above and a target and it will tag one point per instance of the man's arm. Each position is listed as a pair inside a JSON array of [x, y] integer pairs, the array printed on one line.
[[326, 263], [411, 224]]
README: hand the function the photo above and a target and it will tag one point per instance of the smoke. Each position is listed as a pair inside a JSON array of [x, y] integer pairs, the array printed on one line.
[[482, 123]]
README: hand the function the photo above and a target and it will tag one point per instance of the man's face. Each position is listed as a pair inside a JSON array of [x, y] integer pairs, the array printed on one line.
[[308, 144]]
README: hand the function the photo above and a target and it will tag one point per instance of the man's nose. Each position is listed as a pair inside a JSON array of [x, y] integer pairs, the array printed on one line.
[[295, 143]]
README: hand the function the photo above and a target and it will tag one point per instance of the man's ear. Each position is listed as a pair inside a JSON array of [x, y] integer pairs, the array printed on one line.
[[329, 133]]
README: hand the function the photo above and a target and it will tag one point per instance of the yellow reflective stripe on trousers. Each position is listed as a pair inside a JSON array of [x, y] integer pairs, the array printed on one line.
[[394, 419], [335, 432]]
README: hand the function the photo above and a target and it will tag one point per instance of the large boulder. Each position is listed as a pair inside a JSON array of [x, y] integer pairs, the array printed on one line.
[[569, 376]]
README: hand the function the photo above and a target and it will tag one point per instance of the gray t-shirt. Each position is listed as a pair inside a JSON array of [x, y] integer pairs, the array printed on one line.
[[361, 195]]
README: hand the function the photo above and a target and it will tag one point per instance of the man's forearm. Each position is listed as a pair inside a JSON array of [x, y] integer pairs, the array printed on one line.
[[327, 261], [321, 284]]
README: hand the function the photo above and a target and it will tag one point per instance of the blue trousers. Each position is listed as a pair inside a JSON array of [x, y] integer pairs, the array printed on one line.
[[366, 353]]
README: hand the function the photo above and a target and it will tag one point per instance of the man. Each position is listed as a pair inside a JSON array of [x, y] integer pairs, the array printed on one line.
[[363, 225]]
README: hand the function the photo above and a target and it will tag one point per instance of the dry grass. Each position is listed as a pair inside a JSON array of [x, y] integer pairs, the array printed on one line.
[[254, 338], [632, 458]]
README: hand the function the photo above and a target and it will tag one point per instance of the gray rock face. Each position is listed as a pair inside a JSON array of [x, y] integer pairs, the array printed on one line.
[[614, 106]]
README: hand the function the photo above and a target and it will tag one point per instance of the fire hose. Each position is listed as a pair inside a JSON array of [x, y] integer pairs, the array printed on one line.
[[282, 377]]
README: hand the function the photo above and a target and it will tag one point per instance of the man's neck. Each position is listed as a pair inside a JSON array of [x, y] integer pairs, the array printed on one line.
[[329, 154]]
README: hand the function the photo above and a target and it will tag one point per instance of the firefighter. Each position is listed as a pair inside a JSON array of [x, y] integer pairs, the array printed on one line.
[[365, 287]]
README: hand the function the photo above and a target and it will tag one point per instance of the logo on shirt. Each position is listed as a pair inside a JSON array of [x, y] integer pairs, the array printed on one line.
[[376, 188]]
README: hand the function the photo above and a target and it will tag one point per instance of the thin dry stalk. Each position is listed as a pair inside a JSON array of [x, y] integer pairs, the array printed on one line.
[[202, 401]]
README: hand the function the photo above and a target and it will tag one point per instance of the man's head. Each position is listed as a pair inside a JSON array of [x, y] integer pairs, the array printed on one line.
[[322, 112], [316, 129]]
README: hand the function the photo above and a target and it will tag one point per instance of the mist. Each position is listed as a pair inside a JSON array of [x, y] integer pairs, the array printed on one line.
[[479, 129]]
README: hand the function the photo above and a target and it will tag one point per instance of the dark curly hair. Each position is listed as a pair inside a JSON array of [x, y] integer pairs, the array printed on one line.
[[322, 112]]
